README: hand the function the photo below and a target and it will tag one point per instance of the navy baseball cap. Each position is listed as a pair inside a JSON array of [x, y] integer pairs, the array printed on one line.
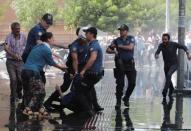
[[92, 30], [124, 27], [48, 18]]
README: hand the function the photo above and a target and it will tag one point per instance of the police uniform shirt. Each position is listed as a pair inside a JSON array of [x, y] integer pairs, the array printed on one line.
[[125, 55], [81, 51], [34, 35], [94, 46]]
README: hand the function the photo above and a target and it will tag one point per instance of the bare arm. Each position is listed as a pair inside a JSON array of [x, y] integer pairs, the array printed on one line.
[[90, 62], [75, 62], [127, 47], [6, 48]]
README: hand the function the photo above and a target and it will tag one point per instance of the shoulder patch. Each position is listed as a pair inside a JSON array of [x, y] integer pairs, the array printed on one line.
[[132, 39], [39, 33], [91, 49], [74, 49]]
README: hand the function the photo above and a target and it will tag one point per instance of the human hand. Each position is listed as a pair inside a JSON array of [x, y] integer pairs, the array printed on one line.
[[156, 56], [82, 73], [189, 56]]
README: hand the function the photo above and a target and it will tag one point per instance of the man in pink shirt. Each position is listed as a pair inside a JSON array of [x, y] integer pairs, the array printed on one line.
[[14, 47]]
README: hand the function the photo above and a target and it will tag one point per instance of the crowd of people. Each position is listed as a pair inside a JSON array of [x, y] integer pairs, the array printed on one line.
[[27, 57]]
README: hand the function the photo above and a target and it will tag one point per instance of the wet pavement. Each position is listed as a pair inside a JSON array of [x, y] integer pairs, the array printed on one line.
[[146, 113]]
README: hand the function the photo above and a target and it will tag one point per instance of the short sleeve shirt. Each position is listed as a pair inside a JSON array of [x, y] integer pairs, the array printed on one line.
[[81, 51], [125, 55], [34, 35], [39, 56], [94, 46]]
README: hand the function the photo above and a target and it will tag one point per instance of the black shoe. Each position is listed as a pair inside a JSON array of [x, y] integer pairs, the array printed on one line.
[[98, 108], [126, 101]]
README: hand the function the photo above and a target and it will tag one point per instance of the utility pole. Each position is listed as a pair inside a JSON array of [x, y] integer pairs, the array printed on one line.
[[167, 25], [180, 75]]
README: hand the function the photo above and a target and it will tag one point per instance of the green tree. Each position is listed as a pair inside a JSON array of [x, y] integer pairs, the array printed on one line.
[[108, 14], [103, 14], [29, 12]]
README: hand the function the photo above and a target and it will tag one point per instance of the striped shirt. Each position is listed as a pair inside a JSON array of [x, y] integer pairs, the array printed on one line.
[[16, 46]]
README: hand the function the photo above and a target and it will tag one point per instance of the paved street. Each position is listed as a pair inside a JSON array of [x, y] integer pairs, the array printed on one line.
[[146, 113]]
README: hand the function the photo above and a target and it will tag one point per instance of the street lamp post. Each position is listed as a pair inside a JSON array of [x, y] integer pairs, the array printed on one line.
[[180, 75]]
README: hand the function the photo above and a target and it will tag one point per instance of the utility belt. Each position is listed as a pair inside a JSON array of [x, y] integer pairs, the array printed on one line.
[[125, 65], [95, 74]]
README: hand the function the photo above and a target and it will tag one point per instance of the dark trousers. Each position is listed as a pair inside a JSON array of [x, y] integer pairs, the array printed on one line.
[[120, 82], [64, 87], [88, 83], [86, 98], [169, 70], [14, 70]]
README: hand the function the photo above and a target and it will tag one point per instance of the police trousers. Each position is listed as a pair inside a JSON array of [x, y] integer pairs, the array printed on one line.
[[120, 82], [85, 95]]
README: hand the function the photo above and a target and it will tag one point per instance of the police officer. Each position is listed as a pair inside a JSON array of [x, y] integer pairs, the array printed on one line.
[[92, 72], [169, 52], [75, 62], [34, 37], [123, 48]]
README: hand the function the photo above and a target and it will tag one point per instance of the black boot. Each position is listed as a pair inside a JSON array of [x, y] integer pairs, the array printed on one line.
[[94, 100]]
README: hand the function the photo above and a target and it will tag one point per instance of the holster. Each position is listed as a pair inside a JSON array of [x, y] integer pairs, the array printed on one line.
[[125, 65]]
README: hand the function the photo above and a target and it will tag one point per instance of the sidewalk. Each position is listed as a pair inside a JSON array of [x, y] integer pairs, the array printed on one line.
[[146, 113]]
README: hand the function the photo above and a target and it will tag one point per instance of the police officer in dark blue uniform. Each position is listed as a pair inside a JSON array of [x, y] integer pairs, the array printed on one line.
[[123, 48], [92, 72], [75, 62], [36, 32], [34, 37]]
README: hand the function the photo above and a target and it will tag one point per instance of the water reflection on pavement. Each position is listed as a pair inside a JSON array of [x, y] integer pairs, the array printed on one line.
[[146, 113]]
